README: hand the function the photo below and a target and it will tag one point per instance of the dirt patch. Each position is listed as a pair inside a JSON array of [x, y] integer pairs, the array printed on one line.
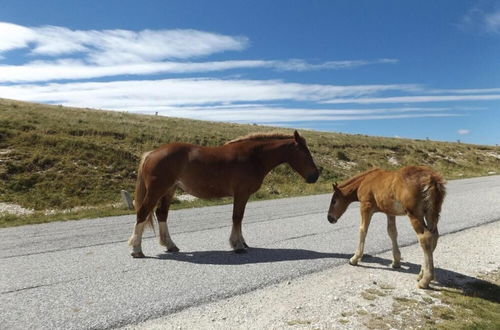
[[14, 209]]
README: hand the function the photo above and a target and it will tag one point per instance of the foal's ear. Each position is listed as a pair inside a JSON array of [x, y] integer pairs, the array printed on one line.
[[335, 187]]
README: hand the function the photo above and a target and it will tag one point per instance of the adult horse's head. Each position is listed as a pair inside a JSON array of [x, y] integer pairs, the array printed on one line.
[[338, 205], [301, 160]]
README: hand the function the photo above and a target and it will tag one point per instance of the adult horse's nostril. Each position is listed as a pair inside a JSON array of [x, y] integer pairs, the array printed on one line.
[[331, 219], [312, 178]]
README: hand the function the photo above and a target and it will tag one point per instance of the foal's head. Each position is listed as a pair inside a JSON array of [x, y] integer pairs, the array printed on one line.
[[301, 160], [338, 205]]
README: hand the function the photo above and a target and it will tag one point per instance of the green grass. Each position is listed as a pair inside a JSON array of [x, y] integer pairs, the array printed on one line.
[[475, 306], [57, 158]]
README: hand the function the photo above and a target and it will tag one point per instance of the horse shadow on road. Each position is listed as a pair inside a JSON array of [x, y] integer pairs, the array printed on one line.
[[445, 279], [254, 256]]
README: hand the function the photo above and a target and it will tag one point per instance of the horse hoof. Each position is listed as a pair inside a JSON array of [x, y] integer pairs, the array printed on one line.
[[246, 245], [137, 255], [240, 251], [395, 266], [173, 249], [353, 262]]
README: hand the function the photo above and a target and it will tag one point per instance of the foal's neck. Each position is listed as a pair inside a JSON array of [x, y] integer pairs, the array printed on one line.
[[350, 190]]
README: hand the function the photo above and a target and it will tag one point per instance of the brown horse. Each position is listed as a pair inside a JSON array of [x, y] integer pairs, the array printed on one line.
[[235, 169], [416, 191]]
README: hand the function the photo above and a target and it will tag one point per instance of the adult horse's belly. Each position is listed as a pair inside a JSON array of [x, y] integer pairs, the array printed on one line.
[[205, 185]]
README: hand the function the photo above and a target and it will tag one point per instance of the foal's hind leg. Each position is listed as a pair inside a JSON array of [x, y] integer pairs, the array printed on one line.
[[393, 234], [161, 215], [427, 242], [366, 216], [236, 239]]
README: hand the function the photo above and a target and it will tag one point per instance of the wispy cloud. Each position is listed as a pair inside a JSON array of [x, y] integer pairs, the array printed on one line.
[[127, 94], [109, 47], [415, 99], [300, 65], [483, 17], [70, 69], [224, 100], [86, 54]]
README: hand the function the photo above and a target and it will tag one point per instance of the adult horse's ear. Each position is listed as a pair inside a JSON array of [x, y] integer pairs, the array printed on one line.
[[335, 187], [297, 136]]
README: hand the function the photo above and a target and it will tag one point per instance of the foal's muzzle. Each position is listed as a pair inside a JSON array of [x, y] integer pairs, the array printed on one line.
[[313, 177], [331, 219]]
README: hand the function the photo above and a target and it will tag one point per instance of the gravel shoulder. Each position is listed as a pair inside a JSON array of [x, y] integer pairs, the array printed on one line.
[[371, 295]]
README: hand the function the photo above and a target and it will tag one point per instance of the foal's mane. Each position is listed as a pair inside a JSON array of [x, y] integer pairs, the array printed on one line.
[[356, 179], [261, 136]]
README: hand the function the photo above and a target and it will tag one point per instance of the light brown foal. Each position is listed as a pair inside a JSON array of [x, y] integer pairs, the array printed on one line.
[[415, 191], [235, 169]]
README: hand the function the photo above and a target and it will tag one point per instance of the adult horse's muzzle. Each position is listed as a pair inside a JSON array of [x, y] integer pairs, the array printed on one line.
[[331, 219], [312, 178]]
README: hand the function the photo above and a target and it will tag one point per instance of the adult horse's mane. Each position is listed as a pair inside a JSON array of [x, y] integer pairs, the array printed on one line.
[[356, 178], [261, 136]]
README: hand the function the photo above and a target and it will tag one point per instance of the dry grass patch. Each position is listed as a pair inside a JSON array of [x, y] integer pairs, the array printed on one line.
[[54, 157]]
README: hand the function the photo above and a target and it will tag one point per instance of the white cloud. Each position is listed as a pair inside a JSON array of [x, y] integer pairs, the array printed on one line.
[[86, 54], [463, 131], [127, 94], [482, 17], [300, 65], [415, 99], [222, 100], [109, 47], [492, 22], [76, 69], [465, 91]]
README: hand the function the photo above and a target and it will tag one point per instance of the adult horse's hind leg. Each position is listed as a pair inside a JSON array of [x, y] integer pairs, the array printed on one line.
[[393, 234], [236, 239], [143, 214], [427, 242], [366, 216], [161, 215]]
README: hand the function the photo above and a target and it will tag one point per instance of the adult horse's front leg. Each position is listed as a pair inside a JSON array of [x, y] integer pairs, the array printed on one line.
[[236, 239], [366, 216]]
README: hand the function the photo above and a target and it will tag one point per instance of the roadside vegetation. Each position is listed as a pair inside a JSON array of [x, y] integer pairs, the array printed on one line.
[[67, 163], [470, 305]]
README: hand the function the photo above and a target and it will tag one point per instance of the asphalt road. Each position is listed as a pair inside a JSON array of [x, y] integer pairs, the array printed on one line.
[[79, 274]]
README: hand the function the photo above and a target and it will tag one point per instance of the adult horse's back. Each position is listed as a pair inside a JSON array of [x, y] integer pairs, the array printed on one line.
[[235, 169]]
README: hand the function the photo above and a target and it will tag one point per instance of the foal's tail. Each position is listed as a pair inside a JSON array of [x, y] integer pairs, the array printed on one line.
[[434, 193], [140, 190]]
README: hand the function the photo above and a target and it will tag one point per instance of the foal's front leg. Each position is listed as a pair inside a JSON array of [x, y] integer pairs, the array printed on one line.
[[236, 239], [393, 234], [366, 216]]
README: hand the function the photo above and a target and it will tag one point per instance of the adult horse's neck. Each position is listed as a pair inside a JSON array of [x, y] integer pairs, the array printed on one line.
[[274, 153]]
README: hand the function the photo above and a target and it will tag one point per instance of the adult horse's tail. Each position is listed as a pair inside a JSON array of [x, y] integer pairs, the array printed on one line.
[[140, 190], [434, 193]]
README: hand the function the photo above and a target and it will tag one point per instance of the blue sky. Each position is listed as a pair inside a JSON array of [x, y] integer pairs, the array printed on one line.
[[417, 69]]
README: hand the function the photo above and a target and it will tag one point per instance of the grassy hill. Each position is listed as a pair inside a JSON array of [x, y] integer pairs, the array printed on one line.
[[58, 158]]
